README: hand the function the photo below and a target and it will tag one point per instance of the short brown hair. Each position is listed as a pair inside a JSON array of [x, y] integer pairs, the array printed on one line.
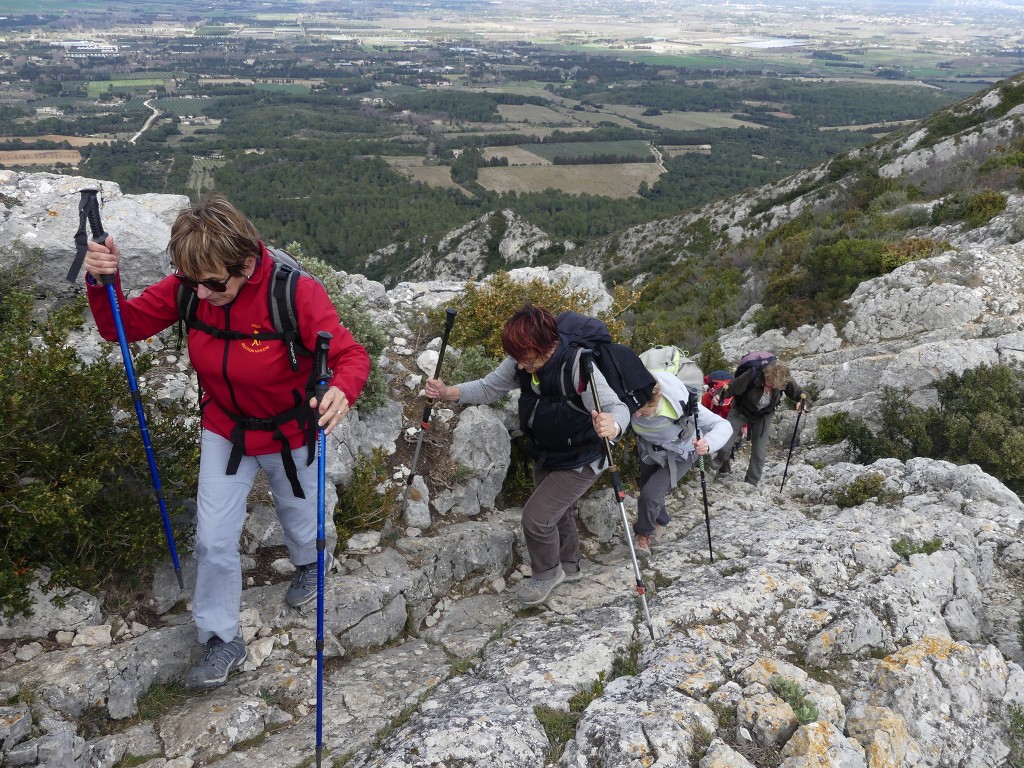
[[211, 236], [530, 332]]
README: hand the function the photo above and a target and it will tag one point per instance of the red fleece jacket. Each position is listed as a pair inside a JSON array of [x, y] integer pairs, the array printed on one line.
[[248, 376]]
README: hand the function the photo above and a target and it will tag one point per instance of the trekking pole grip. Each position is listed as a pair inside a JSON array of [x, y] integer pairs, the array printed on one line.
[[321, 373], [587, 364], [99, 235], [449, 321]]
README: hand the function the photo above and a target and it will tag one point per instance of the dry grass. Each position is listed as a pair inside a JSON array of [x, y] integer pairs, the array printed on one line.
[[74, 141], [40, 156]]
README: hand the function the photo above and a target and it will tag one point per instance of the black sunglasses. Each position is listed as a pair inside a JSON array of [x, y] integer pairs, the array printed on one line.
[[217, 286]]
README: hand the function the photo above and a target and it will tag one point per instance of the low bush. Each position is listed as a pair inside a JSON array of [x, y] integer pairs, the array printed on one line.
[[76, 495], [979, 420]]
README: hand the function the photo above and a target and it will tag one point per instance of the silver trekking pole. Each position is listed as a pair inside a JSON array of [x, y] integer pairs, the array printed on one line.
[[620, 495]]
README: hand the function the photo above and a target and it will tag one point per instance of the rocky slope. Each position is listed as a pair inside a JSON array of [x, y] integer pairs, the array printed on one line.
[[889, 596]]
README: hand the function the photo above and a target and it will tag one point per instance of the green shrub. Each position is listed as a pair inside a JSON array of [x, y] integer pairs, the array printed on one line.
[[361, 504], [792, 693], [910, 249], [979, 420], [865, 487], [473, 363], [975, 210], [904, 547], [833, 428], [484, 308], [76, 495], [983, 207], [1015, 718]]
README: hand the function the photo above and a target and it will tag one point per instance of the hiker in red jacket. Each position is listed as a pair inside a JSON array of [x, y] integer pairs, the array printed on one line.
[[256, 410]]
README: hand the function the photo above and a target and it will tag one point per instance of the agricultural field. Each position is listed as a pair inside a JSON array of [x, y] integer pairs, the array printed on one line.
[[531, 113], [181, 106], [586, 149], [97, 87], [200, 176], [415, 168], [618, 180], [515, 155], [498, 129], [675, 150], [680, 121], [74, 141], [18, 157]]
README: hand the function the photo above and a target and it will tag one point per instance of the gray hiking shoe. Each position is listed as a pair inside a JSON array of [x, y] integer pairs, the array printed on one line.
[[535, 592], [303, 586], [573, 572], [219, 661]]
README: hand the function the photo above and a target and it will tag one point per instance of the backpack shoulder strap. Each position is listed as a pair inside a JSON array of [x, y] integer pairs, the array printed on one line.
[[282, 288]]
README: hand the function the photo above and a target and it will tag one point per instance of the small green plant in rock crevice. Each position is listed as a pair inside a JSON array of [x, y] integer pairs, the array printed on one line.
[[862, 489], [560, 725], [904, 547], [806, 711]]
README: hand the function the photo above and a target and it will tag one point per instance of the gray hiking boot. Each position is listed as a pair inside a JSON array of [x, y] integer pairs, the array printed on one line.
[[219, 661], [303, 586], [535, 591], [573, 572]]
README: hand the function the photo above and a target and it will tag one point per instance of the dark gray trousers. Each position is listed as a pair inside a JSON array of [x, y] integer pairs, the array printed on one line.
[[548, 524]]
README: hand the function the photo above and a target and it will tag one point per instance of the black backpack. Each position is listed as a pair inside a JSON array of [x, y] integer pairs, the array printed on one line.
[[281, 287], [621, 366]]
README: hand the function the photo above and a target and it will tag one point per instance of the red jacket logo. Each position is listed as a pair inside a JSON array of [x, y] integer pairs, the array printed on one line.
[[255, 345]]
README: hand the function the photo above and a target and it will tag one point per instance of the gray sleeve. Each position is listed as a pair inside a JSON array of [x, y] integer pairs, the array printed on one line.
[[492, 387], [713, 428], [610, 402]]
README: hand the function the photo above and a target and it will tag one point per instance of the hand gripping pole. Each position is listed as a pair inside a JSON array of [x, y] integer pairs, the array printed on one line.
[[89, 210], [620, 495], [449, 321]]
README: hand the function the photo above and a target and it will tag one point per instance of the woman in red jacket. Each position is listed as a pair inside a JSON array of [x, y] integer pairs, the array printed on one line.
[[255, 412]]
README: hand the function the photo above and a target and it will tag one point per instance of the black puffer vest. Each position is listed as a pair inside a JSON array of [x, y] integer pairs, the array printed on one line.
[[560, 433]]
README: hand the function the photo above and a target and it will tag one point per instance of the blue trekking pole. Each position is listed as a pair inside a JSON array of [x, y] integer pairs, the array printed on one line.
[[321, 375], [89, 209]]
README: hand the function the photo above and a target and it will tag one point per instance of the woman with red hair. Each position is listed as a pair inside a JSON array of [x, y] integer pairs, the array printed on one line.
[[564, 431]]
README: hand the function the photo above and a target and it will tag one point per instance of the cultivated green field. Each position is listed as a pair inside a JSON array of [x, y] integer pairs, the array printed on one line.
[[178, 106], [96, 87]]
